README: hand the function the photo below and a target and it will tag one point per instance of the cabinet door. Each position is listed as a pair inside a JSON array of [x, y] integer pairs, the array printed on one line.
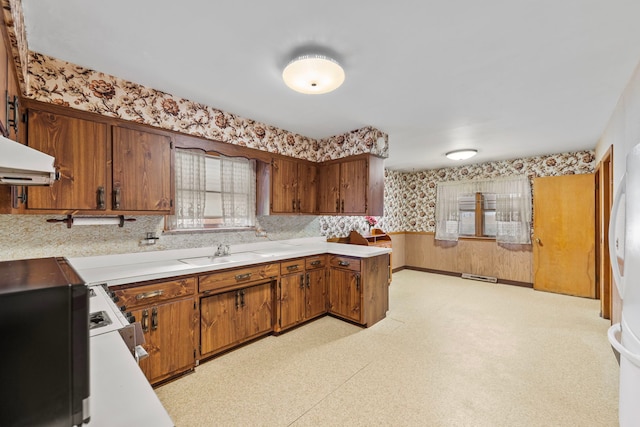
[[329, 189], [169, 335], [307, 192], [292, 299], [257, 310], [141, 171], [353, 187], [316, 294], [284, 186], [80, 151], [219, 321], [344, 293]]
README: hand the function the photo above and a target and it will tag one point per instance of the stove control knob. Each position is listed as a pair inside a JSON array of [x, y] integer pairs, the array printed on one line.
[[123, 308]]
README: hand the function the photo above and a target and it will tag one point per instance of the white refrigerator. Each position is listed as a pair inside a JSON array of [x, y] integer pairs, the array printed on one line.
[[624, 250]]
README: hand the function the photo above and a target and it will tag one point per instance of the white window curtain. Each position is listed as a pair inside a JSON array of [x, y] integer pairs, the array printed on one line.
[[190, 190], [513, 207], [238, 191]]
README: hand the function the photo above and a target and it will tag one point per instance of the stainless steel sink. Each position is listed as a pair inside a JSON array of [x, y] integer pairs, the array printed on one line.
[[216, 260]]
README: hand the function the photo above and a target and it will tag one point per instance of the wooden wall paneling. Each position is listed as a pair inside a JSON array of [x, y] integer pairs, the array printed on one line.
[[398, 241], [513, 262]]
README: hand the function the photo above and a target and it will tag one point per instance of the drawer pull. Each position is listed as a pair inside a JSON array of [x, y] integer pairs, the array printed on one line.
[[343, 263], [243, 276], [145, 320], [154, 318], [151, 294], [292, 267], [316, 262]]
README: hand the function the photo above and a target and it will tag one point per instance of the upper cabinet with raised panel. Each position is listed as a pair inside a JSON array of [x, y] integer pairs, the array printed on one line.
[[126, 170], [351, 186]]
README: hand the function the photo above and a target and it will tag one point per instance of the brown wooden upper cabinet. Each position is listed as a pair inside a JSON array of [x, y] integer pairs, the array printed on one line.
[[288, 187], [351, 186], [141, 171], [125, 171]]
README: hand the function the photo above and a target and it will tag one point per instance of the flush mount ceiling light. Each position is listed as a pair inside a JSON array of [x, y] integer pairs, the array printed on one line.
[[461, 154], [313, 74]]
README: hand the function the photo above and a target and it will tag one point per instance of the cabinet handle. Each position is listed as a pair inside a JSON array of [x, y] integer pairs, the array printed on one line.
[[145, 320], [243, 276], [298, 205], [293, 205], [316, 262], [292, 267], [237, 300], [12, 106], [151, 294], [358, 282], [154, 318], [344, 263], [116, 198], [308, 281], [242, 298], [342, 207], [101, 203], [302, 281]]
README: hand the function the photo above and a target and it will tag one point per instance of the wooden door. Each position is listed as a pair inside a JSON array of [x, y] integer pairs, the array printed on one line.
[[141, 171], [328, 189], [291, 300], [564, 234], [220, 325], [344, 293], [284, 186], [353, 187], [257, 311], [80, 151], [307, 192], [316, 293], [170, 339]]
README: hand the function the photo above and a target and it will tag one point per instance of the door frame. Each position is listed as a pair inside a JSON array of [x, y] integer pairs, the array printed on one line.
[[604, 202]]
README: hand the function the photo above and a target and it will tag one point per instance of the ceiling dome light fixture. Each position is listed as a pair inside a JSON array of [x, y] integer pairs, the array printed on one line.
[[313, 74], [461, 154]]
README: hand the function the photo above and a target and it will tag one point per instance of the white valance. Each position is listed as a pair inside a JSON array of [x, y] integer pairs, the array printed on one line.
[[513, 207]]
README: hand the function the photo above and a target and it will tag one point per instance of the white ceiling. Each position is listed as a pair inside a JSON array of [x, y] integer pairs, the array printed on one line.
[[511, 78]]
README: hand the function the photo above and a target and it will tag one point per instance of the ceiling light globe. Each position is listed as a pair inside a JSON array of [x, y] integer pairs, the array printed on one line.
[[461, 154], [313, 74]]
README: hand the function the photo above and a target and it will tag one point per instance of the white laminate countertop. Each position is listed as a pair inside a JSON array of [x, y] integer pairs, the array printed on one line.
[[120, 394], [141, 266]]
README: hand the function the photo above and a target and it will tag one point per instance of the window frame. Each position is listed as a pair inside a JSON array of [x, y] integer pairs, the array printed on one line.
[[479, 218]]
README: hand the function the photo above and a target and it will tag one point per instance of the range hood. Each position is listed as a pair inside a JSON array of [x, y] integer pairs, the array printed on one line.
[[22, 165]]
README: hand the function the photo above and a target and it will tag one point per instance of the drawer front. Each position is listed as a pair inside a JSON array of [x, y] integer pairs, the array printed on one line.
[[144, 295], [292, 266], [232, 278], [344, 262], [313, 262]]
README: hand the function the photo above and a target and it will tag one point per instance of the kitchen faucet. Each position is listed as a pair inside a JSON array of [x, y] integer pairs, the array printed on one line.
[[223, 250]]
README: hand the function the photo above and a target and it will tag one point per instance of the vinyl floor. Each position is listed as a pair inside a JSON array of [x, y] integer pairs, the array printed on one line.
[[451, 352]]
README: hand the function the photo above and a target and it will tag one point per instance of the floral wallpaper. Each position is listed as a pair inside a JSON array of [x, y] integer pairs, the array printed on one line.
[[14, 20], [59, 82], [410, 197]]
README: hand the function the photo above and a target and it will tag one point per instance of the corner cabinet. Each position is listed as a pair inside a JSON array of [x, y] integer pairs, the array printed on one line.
[[351, 186], [167, 312], [103, 169], [358, 288]]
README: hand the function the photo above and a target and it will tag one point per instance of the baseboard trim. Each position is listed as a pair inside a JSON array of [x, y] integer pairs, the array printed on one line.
[[453, 273]]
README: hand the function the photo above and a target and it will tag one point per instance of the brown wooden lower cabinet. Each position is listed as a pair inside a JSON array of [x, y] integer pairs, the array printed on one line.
[[169, 339], [232, 317], [358, 288], [168, 315], [302, 291]]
